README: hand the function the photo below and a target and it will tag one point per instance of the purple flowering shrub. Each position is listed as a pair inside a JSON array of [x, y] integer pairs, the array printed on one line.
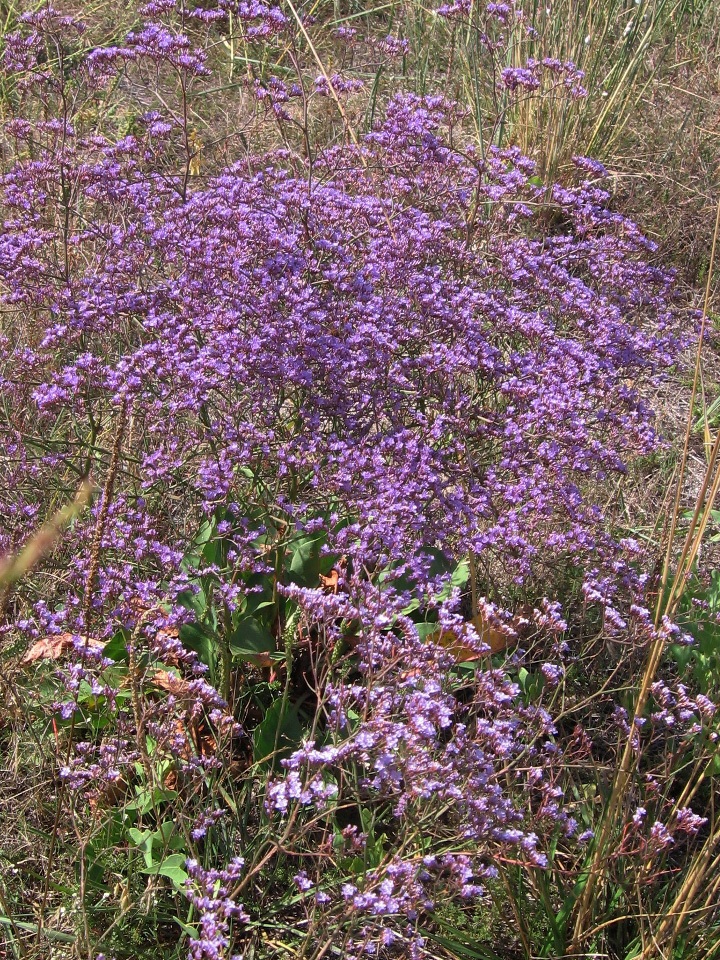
[[321, 393]]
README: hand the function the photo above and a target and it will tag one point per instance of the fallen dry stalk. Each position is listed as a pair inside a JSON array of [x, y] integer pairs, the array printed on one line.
[[14, 567]]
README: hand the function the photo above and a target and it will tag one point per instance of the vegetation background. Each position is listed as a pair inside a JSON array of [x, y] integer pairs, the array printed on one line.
[[110, 877]]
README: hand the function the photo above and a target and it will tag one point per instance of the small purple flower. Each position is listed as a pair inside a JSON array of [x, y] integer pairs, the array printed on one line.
[[552, 673]]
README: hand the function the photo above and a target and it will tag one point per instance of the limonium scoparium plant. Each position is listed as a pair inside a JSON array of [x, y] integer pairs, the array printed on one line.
[[398, 347]]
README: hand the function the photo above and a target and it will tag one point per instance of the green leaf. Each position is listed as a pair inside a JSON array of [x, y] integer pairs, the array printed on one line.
[[146, 801], [264, 605], [411, 607], [206, 531], [55, 935], [196, 602], [305, 561], [192, 932], [192, 558], [138, 836], [144, 842], [172, 867], [251, 639], [167, 837], [425, 629], [279, 733], [357, 866], [261, 600], [116, 647], [461, 574], [203, 642], [463, 950]]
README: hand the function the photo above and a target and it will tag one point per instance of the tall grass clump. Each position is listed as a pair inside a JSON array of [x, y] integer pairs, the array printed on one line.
[[619, 47], [308, 430]]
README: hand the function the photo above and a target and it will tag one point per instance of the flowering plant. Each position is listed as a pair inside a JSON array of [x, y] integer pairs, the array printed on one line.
[[323, 390]]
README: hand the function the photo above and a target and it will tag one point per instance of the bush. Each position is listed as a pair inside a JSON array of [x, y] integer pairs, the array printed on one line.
[[323, 391]]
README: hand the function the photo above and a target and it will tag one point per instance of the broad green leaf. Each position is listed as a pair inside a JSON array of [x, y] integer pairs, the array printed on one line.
[[251, 639], [203, 642], [116, 647], [461, 574], [279, 733], [305, 561], [172, 867], [144, 842]]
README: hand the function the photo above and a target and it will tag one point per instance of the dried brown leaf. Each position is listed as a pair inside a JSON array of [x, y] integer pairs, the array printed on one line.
[[53, 648], [109, 795], [172, 684], [497, 640], [330, 584]]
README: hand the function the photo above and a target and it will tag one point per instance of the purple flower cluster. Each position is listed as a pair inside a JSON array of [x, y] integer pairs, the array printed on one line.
[[554, 73], [209, 891], [435, 373], [430, 754]]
